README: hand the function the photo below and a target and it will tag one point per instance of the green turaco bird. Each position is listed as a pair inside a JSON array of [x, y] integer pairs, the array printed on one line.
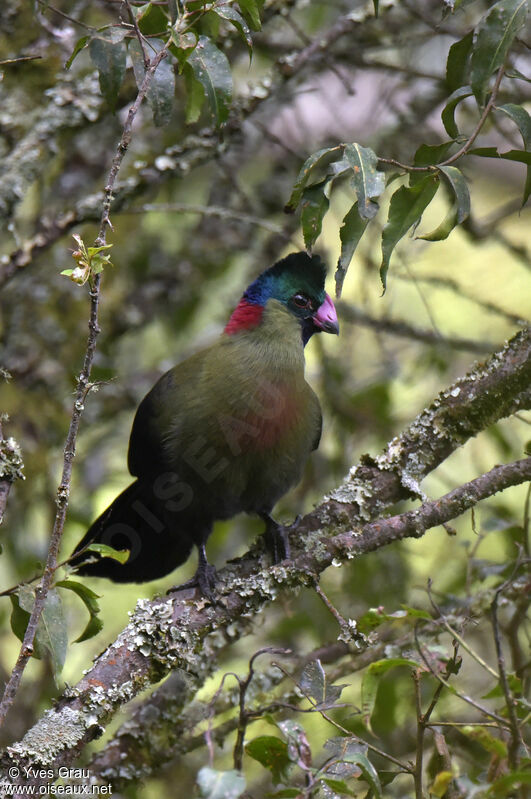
[[225, 431]]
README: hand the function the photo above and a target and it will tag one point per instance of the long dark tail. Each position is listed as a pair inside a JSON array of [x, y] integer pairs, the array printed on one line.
[[137, 521]]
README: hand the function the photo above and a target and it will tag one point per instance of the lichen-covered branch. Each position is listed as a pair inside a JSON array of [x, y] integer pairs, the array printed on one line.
[[188, 633]]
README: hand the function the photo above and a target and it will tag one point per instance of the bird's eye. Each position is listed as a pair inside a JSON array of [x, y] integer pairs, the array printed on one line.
[[301, 301]]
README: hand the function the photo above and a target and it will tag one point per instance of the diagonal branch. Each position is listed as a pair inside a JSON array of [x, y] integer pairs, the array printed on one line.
[[188, 633]]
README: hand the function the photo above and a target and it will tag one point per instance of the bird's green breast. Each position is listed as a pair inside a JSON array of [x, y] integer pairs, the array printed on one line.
[[250, 420]]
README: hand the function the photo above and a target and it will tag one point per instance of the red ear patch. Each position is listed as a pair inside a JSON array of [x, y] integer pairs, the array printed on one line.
[[245, 316]]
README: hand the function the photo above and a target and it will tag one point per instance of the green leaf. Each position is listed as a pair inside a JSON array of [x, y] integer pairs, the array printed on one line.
[[314, 206], [161, 90], [79, 46], [90, 600], [51, 630], [348, 750], [338, 786], [220, 784], [376, 3], [457, 62], [231, 15], [151, 19], [505, 785], [249, 9], [109, 58], [485, 739], [314, 683], [371, 681], [522, 120], [443, 230], [367, 181], [182, 46], [510, 155], [315, 161], [494, 37], [448, 113], [211, 68], [350, 234], [195, 95], [406, 207], [121, 555], [441, 781], [272, 753], [459, 186], [428, 155], [515, 684]]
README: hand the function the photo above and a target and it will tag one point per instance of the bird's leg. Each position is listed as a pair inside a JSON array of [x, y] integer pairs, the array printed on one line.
[[277, 537], [204, 578]]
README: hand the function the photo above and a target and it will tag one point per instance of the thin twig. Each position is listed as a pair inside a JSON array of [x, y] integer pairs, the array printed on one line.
[[515, 736], [459, 638], [83, 386]]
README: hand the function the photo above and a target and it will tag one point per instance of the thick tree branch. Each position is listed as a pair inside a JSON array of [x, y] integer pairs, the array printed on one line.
[[188, 633]]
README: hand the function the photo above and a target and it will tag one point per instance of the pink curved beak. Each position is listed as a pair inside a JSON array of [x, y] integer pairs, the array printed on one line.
[[326, 317]]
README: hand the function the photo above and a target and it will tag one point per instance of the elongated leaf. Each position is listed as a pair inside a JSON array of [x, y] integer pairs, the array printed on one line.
[[504, 785], [522, 120], [79, 46], [350, 234], [316, 161], [231, 15], [220, 784], [367, 181], [494, 37], [90, 600], [459, 186], [371, 681], [489, 742], [448, 113], [271, 752], [161, 90], [195, 95], [249, 9], [109, 58], [457, 62], [121, 555], [51, 630], [314, 205], [443, 230], [211, 68], [406, 207], [509, 155]]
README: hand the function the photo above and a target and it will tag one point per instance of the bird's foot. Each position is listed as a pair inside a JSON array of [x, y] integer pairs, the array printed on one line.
[[277, 537], [205, 578]]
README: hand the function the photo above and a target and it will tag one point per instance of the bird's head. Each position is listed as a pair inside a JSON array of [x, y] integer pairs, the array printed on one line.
[[296, 281]]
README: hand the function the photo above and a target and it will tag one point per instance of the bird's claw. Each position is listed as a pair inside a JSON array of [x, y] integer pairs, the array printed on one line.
[[276, 538], [205, 579]]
